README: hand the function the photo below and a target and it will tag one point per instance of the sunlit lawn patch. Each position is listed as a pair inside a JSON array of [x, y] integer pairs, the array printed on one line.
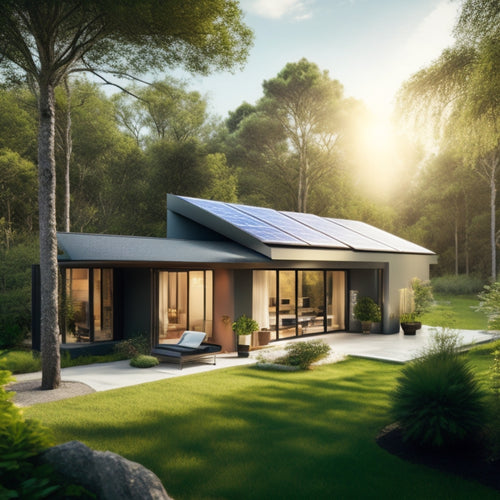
[[242, 433], [456, 311]]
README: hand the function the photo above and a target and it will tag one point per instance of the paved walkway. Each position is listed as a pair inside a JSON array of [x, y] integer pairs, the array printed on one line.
[[396, 348]]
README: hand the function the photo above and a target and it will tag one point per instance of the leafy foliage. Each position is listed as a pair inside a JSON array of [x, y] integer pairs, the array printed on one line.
[[20, 361], [15, 292], [461, 284], [299, 355], [130, 348], [144, 361], [438, 401], [489, 303], [245, 325], [367, 310]]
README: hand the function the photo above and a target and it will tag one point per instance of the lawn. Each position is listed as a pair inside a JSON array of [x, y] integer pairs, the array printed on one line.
[[456, 311], [241, 433]]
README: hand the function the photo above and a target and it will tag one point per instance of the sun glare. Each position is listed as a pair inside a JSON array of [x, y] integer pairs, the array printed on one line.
[[378, 155]]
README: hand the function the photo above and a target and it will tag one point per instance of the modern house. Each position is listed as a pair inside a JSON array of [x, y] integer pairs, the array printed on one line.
[[296, 274]]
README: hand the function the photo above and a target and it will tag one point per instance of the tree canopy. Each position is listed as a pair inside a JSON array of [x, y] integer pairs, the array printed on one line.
[[45, 40]]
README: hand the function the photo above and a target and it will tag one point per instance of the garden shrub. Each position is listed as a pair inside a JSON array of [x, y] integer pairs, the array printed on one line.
[[304, 354], [144, 361], [130, 348], [457, 285], [15, 292], [489, 303], [437, 401], [20, 361]]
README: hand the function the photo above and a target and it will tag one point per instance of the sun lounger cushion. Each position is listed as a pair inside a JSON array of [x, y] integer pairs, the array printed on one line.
[[191, 339]]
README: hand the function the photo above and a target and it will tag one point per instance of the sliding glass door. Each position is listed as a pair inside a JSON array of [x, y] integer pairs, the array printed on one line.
[[185, 302], [292, 303]]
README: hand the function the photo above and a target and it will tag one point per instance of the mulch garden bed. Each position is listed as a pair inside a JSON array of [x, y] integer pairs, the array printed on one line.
[[470, 462]]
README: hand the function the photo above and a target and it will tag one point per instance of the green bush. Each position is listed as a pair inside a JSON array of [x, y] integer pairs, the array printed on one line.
[[20, 361], [15, 292], [437, 401], [130, 348], [489, 303], [304, 354], [367, 310], [20, 441], [457, 285], [144, 361]]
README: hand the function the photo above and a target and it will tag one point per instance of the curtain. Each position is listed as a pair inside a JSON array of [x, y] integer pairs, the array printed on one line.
[[260, 309]]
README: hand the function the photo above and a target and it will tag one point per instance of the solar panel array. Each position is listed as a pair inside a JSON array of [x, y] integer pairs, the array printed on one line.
[[275, 227]]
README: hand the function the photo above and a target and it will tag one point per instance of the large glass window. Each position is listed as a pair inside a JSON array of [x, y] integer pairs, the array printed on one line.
[[185, 302], [335, 300], [311, 301], [287, 315], [264, 300], [293, 303], [88, 305], [103, 304], [77, 305]]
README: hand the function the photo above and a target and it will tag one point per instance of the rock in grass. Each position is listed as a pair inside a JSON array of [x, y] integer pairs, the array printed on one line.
[[108, 475]]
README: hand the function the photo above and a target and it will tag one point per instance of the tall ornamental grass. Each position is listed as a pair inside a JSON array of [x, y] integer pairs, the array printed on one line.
[[437, 401]]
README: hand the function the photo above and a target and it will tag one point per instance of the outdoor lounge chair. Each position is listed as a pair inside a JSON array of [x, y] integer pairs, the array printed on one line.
[[189, 348]]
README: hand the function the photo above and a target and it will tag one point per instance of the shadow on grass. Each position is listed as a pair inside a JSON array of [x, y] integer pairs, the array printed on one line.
[[241, 433]]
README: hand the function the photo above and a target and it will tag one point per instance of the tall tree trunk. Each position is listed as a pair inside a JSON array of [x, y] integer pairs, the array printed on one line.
[[456, 244], [49, 328], [68, 143], [493, 196]]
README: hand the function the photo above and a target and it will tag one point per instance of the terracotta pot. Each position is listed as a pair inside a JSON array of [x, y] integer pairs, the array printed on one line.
[[264, 337]]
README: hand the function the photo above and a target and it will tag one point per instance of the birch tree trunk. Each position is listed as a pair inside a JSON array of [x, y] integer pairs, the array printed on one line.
[[49, 328], [68, 147]]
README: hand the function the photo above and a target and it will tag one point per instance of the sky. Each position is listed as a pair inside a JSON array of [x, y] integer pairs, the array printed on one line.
[[370, 46]]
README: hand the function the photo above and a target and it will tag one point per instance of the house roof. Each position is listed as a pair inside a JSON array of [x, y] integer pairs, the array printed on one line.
[[131, 249], [262, 229]]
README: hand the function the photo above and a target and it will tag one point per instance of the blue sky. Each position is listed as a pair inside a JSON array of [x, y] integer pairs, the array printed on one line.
[[370, 46]]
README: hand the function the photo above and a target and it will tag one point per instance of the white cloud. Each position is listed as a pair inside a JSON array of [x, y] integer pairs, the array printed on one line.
[[276, 9], [430, 37]]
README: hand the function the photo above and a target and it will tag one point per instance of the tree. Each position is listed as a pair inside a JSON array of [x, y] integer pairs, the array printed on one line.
[[460, 92], [305, 101], [49, 39], [17, 195]]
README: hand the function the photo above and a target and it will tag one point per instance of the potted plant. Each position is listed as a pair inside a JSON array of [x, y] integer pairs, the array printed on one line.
[[419, 296], [368, 312], [243, 327], [264, 336]]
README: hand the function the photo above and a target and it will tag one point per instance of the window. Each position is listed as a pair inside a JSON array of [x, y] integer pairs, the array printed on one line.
[[185, 302], [292, 303], [87, 306]]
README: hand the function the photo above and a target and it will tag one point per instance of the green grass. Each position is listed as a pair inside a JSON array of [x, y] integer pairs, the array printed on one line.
[[456, 311], [22, 361], [242, 433]]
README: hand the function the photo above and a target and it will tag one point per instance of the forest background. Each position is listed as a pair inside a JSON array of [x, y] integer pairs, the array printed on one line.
[[303, 146]]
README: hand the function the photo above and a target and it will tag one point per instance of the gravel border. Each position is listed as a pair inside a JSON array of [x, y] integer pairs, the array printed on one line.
[[29, 392]]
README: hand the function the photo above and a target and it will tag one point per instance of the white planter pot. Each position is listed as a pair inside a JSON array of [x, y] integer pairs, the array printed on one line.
[[244, 339]]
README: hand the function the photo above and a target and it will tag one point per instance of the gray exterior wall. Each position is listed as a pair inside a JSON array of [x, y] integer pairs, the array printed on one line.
[[136, 301]]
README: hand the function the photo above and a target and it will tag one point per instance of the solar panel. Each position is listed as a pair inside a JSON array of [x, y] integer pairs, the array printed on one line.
[[290, 225], [273, 227], [255, 227], [349, 238], [383, 237]]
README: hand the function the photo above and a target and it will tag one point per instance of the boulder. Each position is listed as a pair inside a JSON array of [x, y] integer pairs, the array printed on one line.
[[106, 474]]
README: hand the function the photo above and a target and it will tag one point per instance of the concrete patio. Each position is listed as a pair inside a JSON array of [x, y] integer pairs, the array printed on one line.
[[395, 348]]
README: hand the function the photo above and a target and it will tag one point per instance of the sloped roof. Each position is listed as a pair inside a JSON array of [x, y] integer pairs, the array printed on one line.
[[258, 228], [131, 249]]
